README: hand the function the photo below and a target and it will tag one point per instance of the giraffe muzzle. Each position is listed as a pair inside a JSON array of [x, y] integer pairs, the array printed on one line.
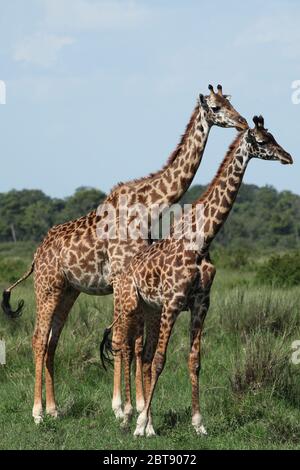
[[242, 124], [286, 159]]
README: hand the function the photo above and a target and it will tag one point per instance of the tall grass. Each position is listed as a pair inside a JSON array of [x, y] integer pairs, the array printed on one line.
[[248, 386], [259, 309]]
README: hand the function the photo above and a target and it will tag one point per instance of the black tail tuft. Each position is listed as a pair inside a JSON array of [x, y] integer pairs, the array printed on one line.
[[7, 308], [106, 348]]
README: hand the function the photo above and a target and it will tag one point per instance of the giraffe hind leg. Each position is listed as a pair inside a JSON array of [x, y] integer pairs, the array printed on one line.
[[58, 321], [46, 306], [130, 318]]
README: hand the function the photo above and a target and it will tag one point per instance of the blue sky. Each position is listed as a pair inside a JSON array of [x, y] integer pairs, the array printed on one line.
[[100, 91]]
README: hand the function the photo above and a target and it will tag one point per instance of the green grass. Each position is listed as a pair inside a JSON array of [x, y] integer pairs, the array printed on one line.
[[250, 391]]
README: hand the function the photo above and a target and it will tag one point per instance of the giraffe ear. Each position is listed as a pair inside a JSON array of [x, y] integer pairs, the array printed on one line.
[[250, 139], [202, 99], [203, 102], [228, 97]]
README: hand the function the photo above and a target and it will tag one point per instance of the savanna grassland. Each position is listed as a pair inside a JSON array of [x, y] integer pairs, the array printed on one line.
[[250, 389]]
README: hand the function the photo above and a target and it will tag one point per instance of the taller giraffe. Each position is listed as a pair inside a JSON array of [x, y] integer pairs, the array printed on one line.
[[72, 258], [176, 273]]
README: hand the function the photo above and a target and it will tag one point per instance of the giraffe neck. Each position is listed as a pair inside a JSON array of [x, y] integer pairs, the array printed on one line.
[[183, 164], [168, 185], [220, 196]]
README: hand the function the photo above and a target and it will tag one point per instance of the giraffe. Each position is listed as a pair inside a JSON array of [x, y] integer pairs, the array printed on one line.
[[173, 274], [73, 259]]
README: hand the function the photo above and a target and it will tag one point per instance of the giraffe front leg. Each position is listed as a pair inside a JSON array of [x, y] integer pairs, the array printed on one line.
[[117, 396], [168, 318], [127, 353], [139, 389], [199, 311], [117, 338], [152, 332]]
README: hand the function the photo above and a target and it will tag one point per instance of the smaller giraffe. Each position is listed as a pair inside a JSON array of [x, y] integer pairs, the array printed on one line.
[[170, 276]]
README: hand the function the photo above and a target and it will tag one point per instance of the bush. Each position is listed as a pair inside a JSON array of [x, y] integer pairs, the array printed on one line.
[[280, 271], [265, 362], [11, 269], [237, 259], [244, 312]]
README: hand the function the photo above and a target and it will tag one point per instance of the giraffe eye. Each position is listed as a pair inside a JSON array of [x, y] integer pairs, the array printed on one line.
[[215, 109], [262, 142]]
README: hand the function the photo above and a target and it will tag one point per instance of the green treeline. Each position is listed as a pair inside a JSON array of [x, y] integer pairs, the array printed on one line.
[[261, 217]]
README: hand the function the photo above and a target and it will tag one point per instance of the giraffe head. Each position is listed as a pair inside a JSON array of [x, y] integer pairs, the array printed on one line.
[[261, 144], [220, 111]]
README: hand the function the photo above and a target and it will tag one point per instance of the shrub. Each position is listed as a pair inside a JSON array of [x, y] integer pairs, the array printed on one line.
[[265, 362], [280, 271], [237, 259], [259, 309], [11, 269]]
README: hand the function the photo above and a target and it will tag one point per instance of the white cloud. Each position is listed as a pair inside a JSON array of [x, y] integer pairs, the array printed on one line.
[[85, 15], [62, 19], [280, 30], [40, 48]]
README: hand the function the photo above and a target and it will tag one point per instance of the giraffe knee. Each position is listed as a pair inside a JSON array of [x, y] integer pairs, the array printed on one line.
[[138, 347], [146, 366], [127, 351], [194, 365], [159, 362], [35, 341]]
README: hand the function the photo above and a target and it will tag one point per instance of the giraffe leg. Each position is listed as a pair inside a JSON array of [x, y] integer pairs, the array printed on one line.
[[117, 340], [140, 400], [130, 320], [58, 321], [168, 318], [127, 355], [46, 305], [199, 310], [117, 397], [152, 331]]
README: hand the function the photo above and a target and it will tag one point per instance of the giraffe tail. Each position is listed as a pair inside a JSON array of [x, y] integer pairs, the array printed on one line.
[[5, 304], [106, 347]]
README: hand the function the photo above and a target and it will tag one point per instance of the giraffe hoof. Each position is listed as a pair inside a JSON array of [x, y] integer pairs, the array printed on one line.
[[52, 412], [140, 405], [150, 431], [141, 424], [38, 419], [125, 423], [139, 432], [200, 430], [119, 414]]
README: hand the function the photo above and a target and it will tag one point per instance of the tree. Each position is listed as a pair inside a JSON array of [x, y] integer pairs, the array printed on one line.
[[82, 202]]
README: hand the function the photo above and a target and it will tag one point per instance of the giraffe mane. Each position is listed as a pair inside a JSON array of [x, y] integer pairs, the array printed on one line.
[[170, 160], [232, 148]]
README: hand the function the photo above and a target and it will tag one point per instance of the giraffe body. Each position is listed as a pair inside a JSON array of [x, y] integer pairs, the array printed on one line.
[[171, 277], [72, 259]]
